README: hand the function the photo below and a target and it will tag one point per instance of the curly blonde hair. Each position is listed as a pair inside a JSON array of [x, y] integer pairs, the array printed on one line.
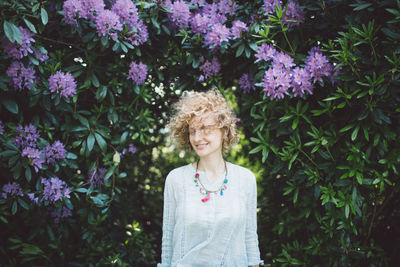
[[196, 104]]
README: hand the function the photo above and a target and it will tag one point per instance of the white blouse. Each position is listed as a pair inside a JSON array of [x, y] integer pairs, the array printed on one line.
[[219, 232]]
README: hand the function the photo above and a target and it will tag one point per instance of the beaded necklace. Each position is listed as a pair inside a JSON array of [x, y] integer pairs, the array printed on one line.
[[203, 189]]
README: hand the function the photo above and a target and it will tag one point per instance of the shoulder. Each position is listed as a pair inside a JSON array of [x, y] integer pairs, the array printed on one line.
[[243, 172], [176, 174]]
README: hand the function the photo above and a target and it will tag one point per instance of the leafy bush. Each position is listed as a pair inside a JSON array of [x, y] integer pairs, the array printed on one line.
[[85, 93]]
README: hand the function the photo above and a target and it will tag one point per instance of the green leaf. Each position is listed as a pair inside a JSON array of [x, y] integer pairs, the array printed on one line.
[[90, 142], [346, 128], [362, 6], [8, 30], [30, 26], [81, 190], [355, 133], [44, 16], [101, 93], [11, 106], [23, 204], [12, 32], [8, 153], [14, 207], [109, 172], [28, 174], [95, 81], [100, 140], [240, 50]]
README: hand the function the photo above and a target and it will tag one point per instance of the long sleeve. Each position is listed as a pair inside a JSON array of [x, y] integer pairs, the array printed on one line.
[[168, 223], [251, 238]]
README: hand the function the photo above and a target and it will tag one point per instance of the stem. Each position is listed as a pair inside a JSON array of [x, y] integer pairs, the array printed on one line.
[[287, 39], [309, 158]]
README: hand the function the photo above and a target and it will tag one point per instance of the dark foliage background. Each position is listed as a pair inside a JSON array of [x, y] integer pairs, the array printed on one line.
[[327, 163]]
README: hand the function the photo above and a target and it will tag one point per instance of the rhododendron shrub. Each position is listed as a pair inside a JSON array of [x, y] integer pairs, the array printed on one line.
[[86, 91]]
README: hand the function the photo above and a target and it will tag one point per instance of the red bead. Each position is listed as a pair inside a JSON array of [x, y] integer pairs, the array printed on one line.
[[197, 175]]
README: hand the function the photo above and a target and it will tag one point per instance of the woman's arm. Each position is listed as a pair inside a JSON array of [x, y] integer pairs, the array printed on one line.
[[168, 223], [253, 252]]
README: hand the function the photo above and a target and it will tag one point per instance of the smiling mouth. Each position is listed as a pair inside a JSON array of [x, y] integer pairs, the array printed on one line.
[[201, 145]]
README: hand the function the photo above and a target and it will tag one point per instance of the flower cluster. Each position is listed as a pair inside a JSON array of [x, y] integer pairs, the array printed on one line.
[[209, 68], [180, 14], [40, 54], [96, 176], [54, 152], [32, 197], [294, 15], [35, 156], [207, 19], [26, 136], [21, 77], [1, 128], [54, 189], [16, 50], [12, 189], [131, 149], [246, 83], [108, 22], [137, 72], [64, 212], [237, 28], [62, 83], [284, 75]]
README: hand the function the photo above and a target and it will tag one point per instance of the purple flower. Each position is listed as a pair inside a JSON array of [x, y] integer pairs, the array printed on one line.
[[54, 152], [72, 10], [13, 189], [137, 72], [62, 83], [96, 177], [210, 68], [138, 35], [54, 189], [40, 55], [59, 214], [301, 82], [199, 3], [16, 50], [284, 59], [32, 197], [265, 52], [180, 14], [35, 156], [212, 12], [132, 148], [269, 6], [237, 28], [21, 77], [107, 23], [127, 12], [246, 83], [277, 81], [1, 128], [318, 65], [217, 35], [199, 24], [293, 13], [227, 7], [26, 136], [91, 9]]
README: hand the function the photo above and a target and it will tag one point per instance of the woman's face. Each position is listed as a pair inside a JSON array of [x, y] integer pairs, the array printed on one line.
[[205, 136]]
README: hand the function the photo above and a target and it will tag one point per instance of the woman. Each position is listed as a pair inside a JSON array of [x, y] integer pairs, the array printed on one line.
[[209, 205]]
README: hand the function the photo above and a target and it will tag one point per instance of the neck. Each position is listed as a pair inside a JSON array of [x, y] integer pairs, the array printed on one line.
[[214, 164]]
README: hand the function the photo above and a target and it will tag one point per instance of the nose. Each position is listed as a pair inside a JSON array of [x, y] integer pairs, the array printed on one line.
[[196, 135]]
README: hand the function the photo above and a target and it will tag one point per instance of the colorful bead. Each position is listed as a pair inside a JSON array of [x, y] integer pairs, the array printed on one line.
[[204, 191]]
